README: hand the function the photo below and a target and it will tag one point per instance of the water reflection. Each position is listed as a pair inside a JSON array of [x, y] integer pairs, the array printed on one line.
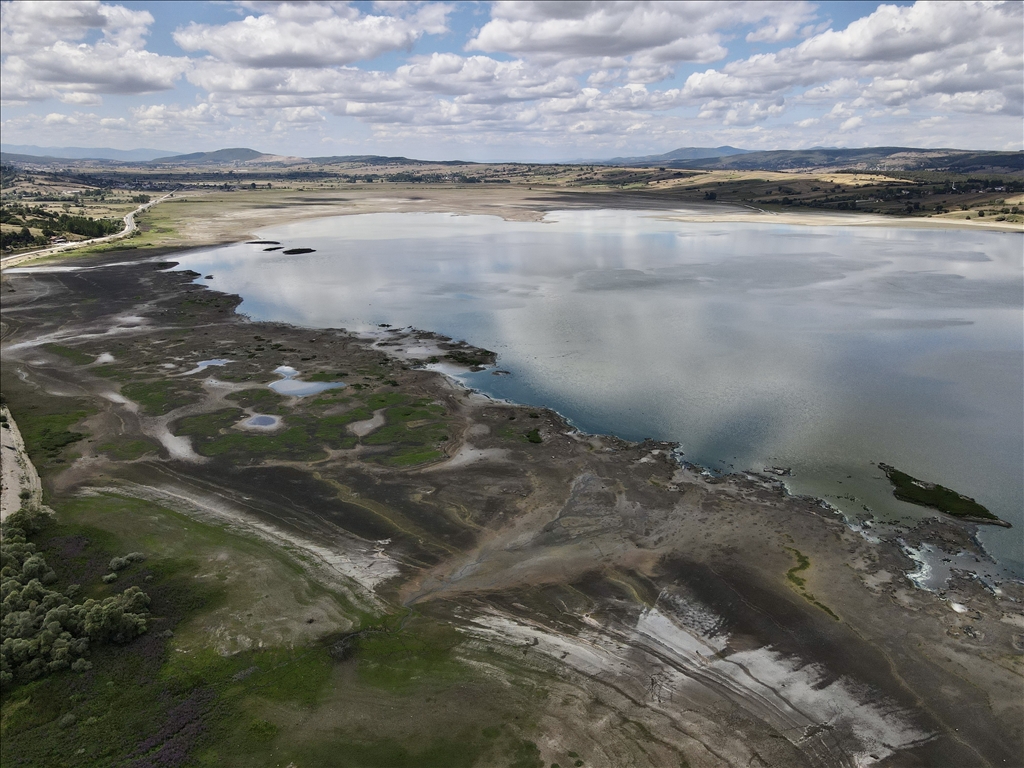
[[292, 386], [823, 349]]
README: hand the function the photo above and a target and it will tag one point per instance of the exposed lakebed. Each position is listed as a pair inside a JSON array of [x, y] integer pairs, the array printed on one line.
[[821, 349]]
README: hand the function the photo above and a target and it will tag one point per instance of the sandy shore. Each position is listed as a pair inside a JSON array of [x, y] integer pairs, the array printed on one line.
[[204, 218], [18, 472]]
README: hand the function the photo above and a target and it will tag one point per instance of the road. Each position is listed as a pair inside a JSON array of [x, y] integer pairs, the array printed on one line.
[[129, 228]]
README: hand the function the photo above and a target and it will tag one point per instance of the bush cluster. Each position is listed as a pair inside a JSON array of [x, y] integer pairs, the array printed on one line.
[[43, 629]]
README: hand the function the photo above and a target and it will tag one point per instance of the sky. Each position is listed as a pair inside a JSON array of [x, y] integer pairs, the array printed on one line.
[[511, 81]]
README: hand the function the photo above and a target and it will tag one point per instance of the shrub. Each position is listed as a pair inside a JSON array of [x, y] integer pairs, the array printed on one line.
[[41, 629]]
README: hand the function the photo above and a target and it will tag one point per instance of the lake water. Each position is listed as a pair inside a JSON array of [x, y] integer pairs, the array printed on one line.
[[823, 349]]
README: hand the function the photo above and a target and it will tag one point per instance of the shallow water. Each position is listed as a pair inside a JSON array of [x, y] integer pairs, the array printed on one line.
[[823, 349], [289, 385], [261, 420], [202, 365]]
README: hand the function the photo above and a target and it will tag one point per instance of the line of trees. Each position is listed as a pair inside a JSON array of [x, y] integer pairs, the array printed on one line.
[[51, 224]]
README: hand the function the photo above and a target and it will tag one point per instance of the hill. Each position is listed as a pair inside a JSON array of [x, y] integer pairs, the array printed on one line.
[[863, 159], [233, 155], [85, 153], [683, 153], [381, 160]]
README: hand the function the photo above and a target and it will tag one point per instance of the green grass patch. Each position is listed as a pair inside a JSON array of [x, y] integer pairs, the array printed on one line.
[[413, 429], [301, 438], [160, 397], [126, 450], [408, 457], [292, 443], [100, 717], [325, 377], [385, 399], [146, 701], [457, 751], [74, 355], [264, 400], [110, 372], [45, 424], [914, 491], [403, 659], [803, 563]]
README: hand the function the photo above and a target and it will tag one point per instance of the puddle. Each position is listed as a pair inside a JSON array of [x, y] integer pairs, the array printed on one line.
[[291, 386], [202, 365], [261, 421], [935, 567]]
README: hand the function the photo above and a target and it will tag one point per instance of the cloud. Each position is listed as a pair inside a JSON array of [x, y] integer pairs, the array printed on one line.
[[533, 73], [26, 26], [892, 56], [742, 112], [310, 35], [659, 32], [42, 60]]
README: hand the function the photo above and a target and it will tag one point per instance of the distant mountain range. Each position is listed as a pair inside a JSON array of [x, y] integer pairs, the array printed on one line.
[[695, 158], [866, 158], [683, 153], [86, 153]]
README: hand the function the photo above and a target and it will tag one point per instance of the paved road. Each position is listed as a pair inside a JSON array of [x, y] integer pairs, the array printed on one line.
[[129, 228]]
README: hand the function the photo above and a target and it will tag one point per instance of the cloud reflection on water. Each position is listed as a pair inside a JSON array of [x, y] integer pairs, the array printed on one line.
[[822, 348]]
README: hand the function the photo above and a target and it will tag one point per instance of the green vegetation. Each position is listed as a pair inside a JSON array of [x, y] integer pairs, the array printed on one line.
[[264, 400], [413, 430], [171, 698], [533, 436], [127, 450], [74, 355], [458, 751], [398, 656], [211, 439], [43, 630], [162, 396], [49, 224], [907, 488], [472, 359], [802, 564], [46, 435], [411, 435]]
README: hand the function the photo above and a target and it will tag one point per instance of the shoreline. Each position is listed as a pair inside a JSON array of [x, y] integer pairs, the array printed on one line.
[[221, 227], [708, 475], [654, 554]]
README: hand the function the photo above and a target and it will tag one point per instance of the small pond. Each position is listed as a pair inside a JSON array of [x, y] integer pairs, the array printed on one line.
[[290, 385]]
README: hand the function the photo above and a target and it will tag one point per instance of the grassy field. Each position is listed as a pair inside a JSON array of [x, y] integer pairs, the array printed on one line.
[[248, 662]]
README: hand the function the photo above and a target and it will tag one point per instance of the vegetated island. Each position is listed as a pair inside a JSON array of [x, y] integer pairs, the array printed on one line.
[[914, 491]]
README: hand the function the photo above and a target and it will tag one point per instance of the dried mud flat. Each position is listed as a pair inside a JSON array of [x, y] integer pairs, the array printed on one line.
[[670, 621]]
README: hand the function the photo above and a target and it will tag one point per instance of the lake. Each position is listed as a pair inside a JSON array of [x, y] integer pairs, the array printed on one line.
[[822, 349]]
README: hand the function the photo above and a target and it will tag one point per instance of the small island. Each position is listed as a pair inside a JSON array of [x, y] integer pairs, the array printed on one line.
[[914, 491]]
